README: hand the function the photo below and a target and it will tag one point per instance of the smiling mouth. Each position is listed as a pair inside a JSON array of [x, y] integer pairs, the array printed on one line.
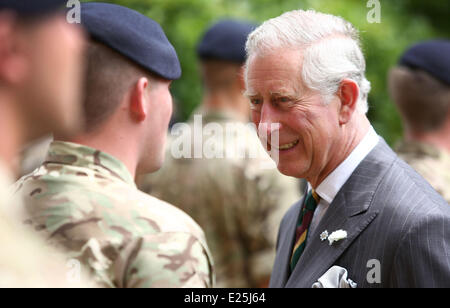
[[286, 146]]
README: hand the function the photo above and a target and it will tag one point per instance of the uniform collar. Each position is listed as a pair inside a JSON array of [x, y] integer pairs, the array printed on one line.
[[74, 154], [420, 149], [331, 185]]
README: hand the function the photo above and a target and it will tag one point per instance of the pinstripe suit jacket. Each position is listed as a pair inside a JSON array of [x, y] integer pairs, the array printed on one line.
[[391, 214]]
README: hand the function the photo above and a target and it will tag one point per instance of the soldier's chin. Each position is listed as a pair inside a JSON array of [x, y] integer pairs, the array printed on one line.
[[149, 167], [60, 132], [70, 129]]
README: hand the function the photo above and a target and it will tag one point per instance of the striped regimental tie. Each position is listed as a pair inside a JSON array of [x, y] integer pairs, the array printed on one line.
[[304, 220]]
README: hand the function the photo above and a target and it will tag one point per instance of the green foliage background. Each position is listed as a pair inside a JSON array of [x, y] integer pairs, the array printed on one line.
[[403, 22]]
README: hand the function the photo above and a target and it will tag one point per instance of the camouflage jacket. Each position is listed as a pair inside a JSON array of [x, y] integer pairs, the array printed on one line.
[[46, 268], [235, 200], [86, 202], [432, 163]]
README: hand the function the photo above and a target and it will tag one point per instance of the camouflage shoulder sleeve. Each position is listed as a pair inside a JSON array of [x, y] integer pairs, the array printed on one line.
[[178, 254], [169, 260]]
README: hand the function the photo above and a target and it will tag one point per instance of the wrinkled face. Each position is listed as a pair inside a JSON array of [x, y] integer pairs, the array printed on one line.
[[53, 91], [308, 129], [160, 113]]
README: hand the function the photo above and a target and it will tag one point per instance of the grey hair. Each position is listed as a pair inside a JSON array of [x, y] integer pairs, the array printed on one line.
[[330, 45]]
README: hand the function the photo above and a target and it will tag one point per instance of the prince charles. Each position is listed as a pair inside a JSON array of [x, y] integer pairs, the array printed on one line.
[[366, 214]]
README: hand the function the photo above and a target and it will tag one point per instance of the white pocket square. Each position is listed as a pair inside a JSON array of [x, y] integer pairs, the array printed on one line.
[[335, 277]]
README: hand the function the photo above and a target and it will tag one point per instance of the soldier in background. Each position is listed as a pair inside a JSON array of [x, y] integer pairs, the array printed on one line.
[[84, 199], [40, 87], [235, 198], [420, 87]]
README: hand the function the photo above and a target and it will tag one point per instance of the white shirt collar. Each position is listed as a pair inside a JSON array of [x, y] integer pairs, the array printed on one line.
[[329, 187]]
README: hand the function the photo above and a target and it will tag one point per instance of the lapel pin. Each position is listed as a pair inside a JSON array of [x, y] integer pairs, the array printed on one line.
[[324, 235]]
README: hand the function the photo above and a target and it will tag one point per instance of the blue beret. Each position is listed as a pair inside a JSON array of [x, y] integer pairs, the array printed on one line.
[[133, 35], [430, 56], [31, 8], [225, 40]]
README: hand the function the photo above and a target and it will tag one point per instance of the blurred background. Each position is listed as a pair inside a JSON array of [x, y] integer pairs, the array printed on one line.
[[402, 23]]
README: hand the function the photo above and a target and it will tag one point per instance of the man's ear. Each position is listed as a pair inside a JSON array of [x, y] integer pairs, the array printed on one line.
[[348, 94], [139, 100], [12, 58]]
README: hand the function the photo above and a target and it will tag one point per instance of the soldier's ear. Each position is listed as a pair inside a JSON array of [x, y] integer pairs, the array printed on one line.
[[139, 100], [13, 64]]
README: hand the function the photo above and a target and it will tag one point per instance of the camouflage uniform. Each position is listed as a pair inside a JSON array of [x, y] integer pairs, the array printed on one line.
[[432, 163], [237, 202], [45, 269], [86, 201]]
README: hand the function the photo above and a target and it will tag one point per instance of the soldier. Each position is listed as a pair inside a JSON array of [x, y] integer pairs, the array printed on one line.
[[40, 87], [84, 198], [234, 198], [420, 87]]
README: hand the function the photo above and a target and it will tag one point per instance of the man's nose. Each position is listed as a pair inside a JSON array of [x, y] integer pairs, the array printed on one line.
[[268, 122]]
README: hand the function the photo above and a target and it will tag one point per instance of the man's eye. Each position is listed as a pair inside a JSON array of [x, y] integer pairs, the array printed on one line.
[[284, 99], [255, 101]]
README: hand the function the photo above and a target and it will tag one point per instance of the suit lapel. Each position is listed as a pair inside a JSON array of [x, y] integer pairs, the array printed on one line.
[[319, 256], [349, 211]]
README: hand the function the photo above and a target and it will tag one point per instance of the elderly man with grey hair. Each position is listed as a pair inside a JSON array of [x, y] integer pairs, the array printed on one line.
[[367, 218]]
